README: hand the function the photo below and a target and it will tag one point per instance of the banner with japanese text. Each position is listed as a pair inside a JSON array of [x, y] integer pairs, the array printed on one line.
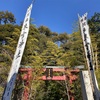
[[86, 39], [88, 52], [18, 56]]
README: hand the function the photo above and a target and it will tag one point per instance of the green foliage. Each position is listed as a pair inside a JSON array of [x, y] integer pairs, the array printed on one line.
[[73, 54], [40, 50], [94, 23], [44, 47], [50, 54], [6, 17], [97, 72], [45, 30], [77, 89], [54, 90]]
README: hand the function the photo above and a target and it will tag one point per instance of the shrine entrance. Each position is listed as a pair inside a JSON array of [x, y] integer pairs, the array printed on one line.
[[53, 73]]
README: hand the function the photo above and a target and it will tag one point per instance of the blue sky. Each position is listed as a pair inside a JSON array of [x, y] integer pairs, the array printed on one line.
[[58, 15]]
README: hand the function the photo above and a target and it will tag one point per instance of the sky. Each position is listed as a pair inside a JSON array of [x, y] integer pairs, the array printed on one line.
[[58, 15]]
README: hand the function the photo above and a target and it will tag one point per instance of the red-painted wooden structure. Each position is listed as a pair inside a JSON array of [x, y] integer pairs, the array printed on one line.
[[25, 75], [27, 78]]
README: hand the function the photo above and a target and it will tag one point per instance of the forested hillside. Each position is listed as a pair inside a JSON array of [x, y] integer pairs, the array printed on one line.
[[45, 47]]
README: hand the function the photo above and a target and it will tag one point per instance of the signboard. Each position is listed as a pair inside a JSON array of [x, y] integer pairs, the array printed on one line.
[[49, 73]]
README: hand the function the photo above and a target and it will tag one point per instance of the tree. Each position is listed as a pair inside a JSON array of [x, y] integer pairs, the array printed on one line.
[[1, 16], [7, 17], [73, 54], [45, 30], [50, 54], [10, 36], [63, 38], [94, 24]]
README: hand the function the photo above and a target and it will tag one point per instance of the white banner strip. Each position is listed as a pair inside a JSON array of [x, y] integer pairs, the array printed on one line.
[[87, 47], [18, 56], [86, 39]]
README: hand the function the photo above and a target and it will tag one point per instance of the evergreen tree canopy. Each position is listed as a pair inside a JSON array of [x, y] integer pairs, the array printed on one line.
[[7, 17], [45, 47]]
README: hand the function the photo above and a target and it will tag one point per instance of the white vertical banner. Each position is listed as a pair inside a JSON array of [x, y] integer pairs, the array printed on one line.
[[87, 47], [86, 37], [18, 56]]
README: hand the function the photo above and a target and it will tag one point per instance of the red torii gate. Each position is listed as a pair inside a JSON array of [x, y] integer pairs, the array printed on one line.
[[49, 70], [71, 77]]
